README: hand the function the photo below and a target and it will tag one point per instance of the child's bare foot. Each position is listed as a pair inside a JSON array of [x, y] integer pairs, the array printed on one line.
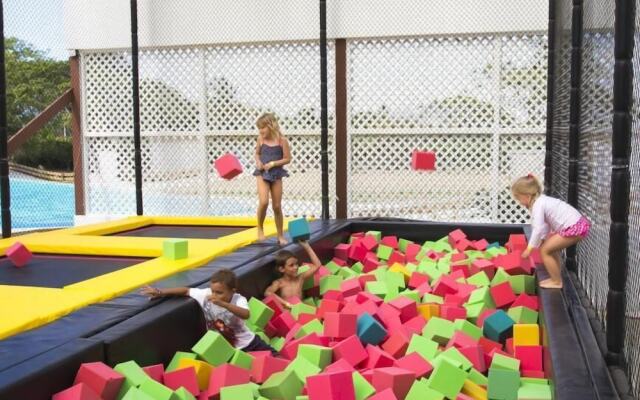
[[550, 284], [282, 241], [260, 234]]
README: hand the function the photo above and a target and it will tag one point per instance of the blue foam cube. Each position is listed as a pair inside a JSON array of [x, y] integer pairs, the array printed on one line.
[[370, 330], [299, 229], [494, 244], [498, 326]]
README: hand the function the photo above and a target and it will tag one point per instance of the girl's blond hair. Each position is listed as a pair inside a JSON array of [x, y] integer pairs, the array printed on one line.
[[527, 185], [269, 120]]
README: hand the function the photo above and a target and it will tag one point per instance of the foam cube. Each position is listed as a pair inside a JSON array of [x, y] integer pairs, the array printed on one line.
[[523, 315], [423, 160], [202, 369], [237, 392], [184, 377], [500, 361], [303, 368], [386, 394], [227, 375], [183, 394], [363, 388], [415, 363], [134, 376], [378, 358], [136, 394], [503, 384], [351, 350], [283, 323], [175, 249], [526, 335], [384, 252], [530, 391], [439, 330], [396, 343], [155, 372], [398, 379], [530, 357], [498, 326], [18, 254], [282, 385], [318, 355], [299, 229], [244, 360], [228, 166], [100, 378], [213, 348], [340, 325], [156, 390], [473, 390], [79, 391], [446, 378], [370, 331], [259, 313], [516, 242], [426, 348], [502, 294], [407, 308], [335, 385], [290, 350], [476, 355], [330, 282]]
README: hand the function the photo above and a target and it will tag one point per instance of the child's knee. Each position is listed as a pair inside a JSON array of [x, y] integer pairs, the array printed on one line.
[[277, 208], [263, 204]]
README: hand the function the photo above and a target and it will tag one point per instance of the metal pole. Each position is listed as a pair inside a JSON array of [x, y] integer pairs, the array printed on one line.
[[324, 119], [620, 178], [5, 196], [551, 77], [136, 105]]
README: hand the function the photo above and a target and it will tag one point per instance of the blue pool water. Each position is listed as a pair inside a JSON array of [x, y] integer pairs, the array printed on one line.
[[37, 203]]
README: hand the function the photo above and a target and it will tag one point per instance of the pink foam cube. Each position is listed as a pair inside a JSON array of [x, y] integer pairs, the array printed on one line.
[[351, 350], [396, 344], [155, 372], [386, 394], [370, 262], [415, 325], [340, 365], [100, 378], [328, 305], [283, 323], [341, 251], [527, 301], [416, 363], [290, 350], [396, 257], [463, 245], [391, 241], [18, 254], [261, 369], [516, 242], [340, 325], [333, 295], [423, 160], [444, 285], [502, 294], [398, 379], [357, 251], [408, 308], [334, 385], [455, 236], [350, 287], [79, 391], [417, 279], [378, 358], [487, 266], [369, 242], [228, 166], [185, 377], [460, 340], [476, 355], [530, 357], [412, 251], [452, 312], [480, 245]]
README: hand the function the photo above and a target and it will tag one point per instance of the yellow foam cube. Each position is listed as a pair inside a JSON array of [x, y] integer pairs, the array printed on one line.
[[474, 390], [526, 335], [203, 370], [429, 310], [397, 267]]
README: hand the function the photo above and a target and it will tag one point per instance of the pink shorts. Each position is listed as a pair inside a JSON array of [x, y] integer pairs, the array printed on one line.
[[580, 228]]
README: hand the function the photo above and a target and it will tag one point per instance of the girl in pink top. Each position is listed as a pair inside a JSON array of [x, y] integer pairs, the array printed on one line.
[[555, 225]]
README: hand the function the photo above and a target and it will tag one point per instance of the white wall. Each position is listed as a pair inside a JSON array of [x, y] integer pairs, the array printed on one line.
[[105, 24]]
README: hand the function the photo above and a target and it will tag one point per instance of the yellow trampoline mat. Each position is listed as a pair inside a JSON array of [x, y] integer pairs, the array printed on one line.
[[23, 307]]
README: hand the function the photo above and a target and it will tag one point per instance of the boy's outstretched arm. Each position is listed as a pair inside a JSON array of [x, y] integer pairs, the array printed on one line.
[[238, 311], [157, 292], [315, 261]]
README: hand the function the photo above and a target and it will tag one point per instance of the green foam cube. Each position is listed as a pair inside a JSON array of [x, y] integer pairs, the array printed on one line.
[[378, 288], [468, 328], [523, 284], [482, 295], [310, 327], [242, 359], [411, 294], [237, 392], [134, 377], [500, 361], [384, 252], [302, 308], [330, 282], [303, 368], [420, 390], [283, 385], [133, 393], [317, 355], [426, 348], [157, 390], [474, 311], [500, 276], [439, 330], [453, 354], [432, 298], [478, 377], [213, 348], [357, 267], [479, 279], [183, 394], [302, 397], [523, 315], [363, 389], [395, 279], [175, 249], [333, 267], [503, 384], [277, 343], [446, 378], [532, 391], [179, 355], [375, 234], [259, 313], [402, 244], [347, 273]]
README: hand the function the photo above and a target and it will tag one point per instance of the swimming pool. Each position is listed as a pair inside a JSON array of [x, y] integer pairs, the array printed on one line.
[[37, 203]]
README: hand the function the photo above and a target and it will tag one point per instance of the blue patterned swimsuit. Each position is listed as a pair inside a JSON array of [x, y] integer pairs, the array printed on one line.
[[268, 154]]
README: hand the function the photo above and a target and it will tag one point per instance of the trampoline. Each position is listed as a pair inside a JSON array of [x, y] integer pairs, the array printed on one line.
[[58, 271], [183, 231]]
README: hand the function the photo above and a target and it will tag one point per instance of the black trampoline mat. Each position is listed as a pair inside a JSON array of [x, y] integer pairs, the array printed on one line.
[[183, 231], [57, 271]]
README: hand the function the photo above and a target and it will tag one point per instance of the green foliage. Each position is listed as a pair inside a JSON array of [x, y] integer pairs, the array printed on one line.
[[33, 82]]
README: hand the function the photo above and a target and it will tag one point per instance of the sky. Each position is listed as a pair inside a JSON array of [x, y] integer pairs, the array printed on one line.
[[39, 22]]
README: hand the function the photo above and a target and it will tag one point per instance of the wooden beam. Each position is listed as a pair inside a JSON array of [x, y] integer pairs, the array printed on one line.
[[76, 135]]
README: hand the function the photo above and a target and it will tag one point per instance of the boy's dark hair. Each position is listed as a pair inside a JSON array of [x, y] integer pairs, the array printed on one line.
[[282, 256], [226, 277]]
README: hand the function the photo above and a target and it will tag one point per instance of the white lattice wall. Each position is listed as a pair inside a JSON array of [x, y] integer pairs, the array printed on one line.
[[478, 101]]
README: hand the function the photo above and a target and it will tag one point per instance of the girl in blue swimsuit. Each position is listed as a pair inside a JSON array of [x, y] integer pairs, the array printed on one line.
[[272, 153]]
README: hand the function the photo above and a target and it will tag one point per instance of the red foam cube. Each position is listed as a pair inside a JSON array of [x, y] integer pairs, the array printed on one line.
[[328, 305], [396, 257], [357, 251], [378, 358], [417, 279], [228, 166], [480, 245], [416, 363], [350, 287], [351, 350], [340, 325], [412, 251], [452, 312], [527, 301], [369, 242], [502, 294], [516, 242], [100, 378], [18, 254], [460, 340], [396, 344], [423, 160], [283, 323], [80, 391], [340, 365], [155, 371], [386, 394], [290, 350], [261, 369], [445, 285], [370, 262], [185, 377], [408, 308], [398, 379], [341, 251], [415, 325], [476, 355], [530, 357], [456, 236], [391, 241], [334, 385]]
